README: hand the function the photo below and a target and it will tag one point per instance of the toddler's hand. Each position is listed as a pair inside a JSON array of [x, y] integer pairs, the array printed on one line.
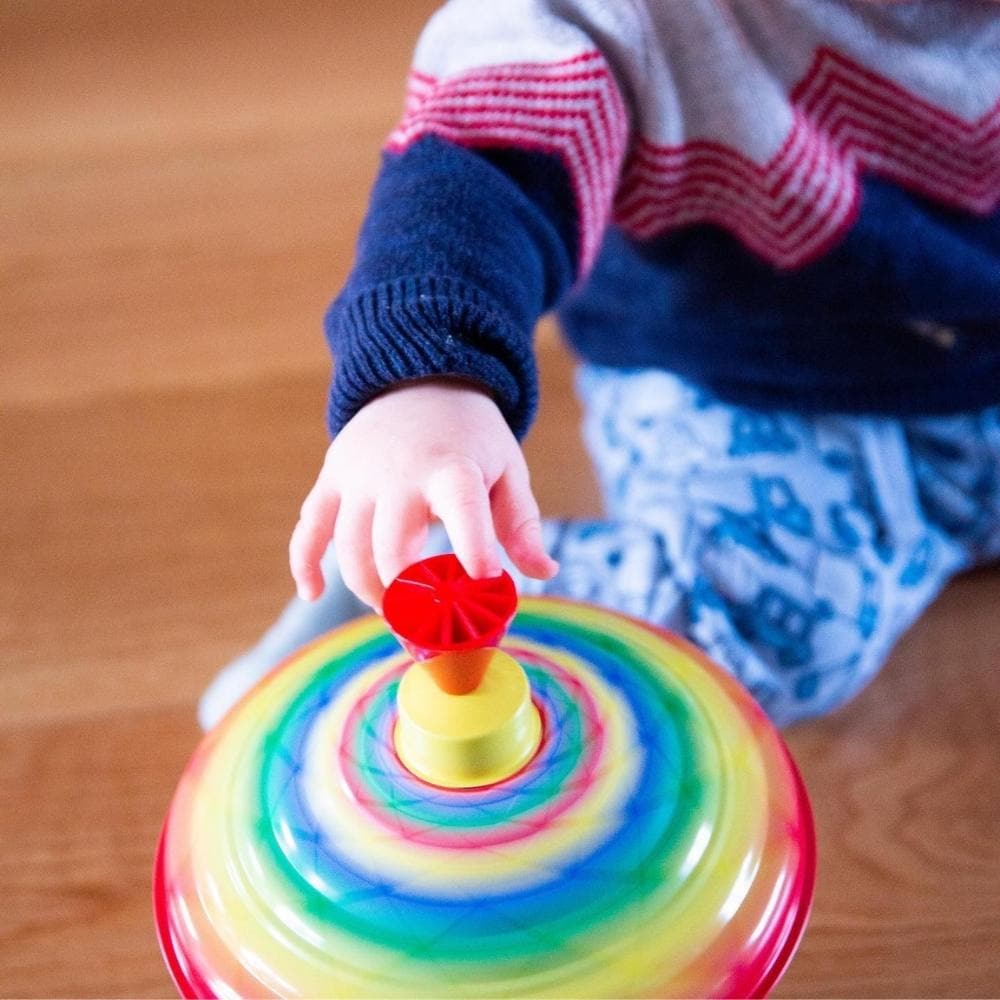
[[433, 448]]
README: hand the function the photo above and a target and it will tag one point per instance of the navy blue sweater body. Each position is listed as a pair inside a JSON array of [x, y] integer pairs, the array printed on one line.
[[463, 249]]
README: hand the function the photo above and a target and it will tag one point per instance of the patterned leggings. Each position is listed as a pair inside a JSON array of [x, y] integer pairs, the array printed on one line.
[[794, 549]]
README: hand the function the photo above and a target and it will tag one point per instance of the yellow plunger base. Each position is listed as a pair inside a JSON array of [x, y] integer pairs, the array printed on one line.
[[472, 739]]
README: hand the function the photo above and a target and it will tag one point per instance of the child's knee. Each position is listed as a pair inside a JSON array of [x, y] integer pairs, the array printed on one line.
[[805, 639], [811, 690]]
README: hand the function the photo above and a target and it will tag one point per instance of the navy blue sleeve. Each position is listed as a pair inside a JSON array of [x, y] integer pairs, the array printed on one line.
[[462, 250]]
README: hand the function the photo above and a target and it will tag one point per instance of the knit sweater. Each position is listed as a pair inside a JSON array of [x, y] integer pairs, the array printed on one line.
[[791, 202]]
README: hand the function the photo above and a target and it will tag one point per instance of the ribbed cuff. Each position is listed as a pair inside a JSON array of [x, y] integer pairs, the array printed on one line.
[[418, 327]]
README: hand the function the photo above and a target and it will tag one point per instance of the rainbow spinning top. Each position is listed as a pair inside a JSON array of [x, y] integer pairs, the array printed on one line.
[[592, 810]]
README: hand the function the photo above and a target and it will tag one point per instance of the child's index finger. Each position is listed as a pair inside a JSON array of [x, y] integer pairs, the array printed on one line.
[[457, 495]]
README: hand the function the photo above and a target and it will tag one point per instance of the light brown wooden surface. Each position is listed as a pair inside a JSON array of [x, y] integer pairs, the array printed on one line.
[[179, 190]]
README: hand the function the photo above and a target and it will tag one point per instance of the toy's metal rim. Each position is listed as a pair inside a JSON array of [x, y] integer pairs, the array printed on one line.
[[162, 921], [804, 891]]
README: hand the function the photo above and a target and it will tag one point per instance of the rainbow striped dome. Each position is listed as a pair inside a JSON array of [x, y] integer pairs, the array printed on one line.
[[659, 843]]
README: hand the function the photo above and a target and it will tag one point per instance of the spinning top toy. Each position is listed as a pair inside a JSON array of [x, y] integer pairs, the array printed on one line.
[[581, 807]]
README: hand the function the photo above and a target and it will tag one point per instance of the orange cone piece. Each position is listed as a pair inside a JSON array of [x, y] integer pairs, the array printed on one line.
[[460, 672]]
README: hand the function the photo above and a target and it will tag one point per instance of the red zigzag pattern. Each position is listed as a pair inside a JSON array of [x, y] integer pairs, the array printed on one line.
[[847, 121], [571, 109]]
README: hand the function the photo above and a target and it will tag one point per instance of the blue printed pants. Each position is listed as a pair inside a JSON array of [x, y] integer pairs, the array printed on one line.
[[794, 549]]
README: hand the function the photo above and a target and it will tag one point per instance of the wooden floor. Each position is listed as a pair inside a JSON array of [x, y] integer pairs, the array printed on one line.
[[179, 189]]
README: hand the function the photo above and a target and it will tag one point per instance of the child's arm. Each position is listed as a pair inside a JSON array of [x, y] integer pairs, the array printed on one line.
[[492, 200], [436, 448]]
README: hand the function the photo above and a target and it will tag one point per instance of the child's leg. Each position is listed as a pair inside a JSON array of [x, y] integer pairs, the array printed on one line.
[[793, 549]]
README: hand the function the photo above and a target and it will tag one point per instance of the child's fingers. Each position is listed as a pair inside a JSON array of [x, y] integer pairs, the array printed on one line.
[[518, 523], [399, 530], [352, 538], [310, 538], [457, 495]]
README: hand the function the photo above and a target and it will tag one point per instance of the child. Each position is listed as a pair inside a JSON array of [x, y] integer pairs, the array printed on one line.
[[770, 230]]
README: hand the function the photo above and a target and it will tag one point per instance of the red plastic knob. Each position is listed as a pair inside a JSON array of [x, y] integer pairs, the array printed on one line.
[[434, 606]]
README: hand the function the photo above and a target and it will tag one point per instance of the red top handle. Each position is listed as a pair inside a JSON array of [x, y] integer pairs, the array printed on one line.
[[434, 606]]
